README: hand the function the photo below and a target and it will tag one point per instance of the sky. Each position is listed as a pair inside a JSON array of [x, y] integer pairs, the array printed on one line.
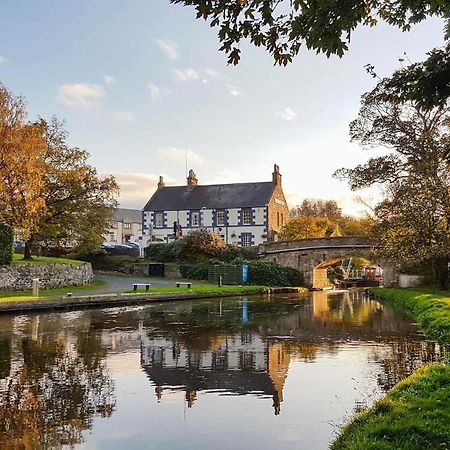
[[141, 83]]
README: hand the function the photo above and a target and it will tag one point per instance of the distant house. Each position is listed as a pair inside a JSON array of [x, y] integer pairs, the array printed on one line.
[[126, 226], [244, 214]]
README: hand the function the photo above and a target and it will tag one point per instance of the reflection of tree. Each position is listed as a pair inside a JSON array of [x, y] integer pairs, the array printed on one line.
[[53, 397], [404, 357], [5, 356]]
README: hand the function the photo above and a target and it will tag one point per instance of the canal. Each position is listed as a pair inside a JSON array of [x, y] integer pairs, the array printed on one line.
[[281, 372]]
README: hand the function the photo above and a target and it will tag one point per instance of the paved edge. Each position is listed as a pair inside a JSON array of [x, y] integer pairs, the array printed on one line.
[[114, 300]]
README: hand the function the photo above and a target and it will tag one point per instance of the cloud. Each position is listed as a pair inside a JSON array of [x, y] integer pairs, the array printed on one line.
[[184, 75], [287, 114], [3, 60], [233, 90], [80, 94], [179, 155], [170, 49], [109, 80], [137, 188], [210, 75], [124, 116]]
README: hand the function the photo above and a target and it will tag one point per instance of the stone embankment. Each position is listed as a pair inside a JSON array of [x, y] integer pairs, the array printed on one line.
[[19, 277]]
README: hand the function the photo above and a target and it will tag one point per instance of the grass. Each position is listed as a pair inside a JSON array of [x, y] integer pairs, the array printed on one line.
[[415, 414], [18, 259], [17, 296], [209, 289]]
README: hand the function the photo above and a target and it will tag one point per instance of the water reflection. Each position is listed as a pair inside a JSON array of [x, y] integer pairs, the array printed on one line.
[[56, 378], [52, 384], [184, 351]]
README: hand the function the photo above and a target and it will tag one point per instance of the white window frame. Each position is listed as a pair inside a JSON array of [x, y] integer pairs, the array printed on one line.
[[159, 220], [247, 217], [246, 240], [220, 218], [195, 219]]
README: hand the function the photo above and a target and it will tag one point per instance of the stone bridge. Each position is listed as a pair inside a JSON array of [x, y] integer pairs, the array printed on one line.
[[312, 257]]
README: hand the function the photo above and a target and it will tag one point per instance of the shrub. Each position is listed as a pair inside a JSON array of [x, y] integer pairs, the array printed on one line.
[[270, 273], [194, 271], [109, 263], [6, 244], [164, 252], [202, 244]]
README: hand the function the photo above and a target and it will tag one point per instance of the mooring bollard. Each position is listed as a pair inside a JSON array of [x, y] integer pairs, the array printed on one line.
[[35, 287], [219, 281]]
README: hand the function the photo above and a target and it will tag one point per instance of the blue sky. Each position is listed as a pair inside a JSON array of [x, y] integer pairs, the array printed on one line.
[[139, 82]]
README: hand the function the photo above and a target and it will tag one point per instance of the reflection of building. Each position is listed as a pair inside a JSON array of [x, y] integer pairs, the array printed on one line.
[[241, 364]]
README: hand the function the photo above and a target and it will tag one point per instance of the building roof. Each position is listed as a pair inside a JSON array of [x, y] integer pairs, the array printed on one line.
[[127, 215], [236, 195]]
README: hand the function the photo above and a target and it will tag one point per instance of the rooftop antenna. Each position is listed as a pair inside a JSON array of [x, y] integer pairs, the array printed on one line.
[[186, 162]]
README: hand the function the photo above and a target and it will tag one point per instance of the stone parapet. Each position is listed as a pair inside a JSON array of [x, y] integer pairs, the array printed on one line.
[[19, 277]]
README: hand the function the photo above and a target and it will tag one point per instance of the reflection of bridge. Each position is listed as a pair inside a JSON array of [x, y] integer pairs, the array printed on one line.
[[312, 257]]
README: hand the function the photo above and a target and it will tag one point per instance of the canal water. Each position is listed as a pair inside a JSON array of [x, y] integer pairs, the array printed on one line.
[[234, 373]]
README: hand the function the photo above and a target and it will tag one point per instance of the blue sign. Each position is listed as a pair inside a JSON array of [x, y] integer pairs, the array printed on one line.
[[245, 273]]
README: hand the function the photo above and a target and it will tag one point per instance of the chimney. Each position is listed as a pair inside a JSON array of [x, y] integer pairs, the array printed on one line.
[[161, 182], [276, 175], [192, 179]]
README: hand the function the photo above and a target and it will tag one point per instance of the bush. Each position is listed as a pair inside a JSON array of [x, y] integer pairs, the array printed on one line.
[[6, 244], [261, 272], [109, 263], [270, 273], [164, 252], [194, 271]]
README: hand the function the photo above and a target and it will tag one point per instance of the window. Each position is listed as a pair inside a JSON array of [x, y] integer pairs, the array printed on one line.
[[220, 218], [127, 226], [282, 219], [246, 239], [246, 360], [247, 216], [159, 219], [195, 219], [278, 219], [113, 225]]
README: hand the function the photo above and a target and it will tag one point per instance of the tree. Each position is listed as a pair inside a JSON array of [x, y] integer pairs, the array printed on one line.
[[21, 167], [202, 244], [415, 172], [304, 227], [48, 192], [283, 26], [79, 203], [318, 208]]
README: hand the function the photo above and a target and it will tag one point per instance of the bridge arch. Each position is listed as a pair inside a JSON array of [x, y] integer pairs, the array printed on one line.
[[312, 257]]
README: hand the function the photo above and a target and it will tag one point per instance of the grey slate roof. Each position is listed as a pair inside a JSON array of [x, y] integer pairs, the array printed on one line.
[[127, 215], [237, 195]]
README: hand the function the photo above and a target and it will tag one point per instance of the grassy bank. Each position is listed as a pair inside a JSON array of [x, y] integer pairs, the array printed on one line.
[[205, 289], [415, 414], [18, 259], [17, 296]]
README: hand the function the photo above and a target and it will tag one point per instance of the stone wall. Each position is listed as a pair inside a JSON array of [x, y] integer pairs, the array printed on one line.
[[18, 277]]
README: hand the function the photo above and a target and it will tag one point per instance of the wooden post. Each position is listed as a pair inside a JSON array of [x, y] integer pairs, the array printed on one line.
[[35, 287]]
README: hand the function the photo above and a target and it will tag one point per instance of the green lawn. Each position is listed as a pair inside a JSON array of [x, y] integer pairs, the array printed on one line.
[[203, 289], [17, 296], [415, 414], [18, 259]]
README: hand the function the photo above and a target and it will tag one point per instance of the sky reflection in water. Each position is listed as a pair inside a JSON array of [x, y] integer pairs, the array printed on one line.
[[234, 373]]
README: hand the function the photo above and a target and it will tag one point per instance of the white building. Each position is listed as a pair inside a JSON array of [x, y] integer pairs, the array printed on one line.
[[244, 214], [125, 227]]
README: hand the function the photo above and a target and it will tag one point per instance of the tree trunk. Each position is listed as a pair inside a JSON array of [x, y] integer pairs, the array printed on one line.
[[27, 251], [442, 273]]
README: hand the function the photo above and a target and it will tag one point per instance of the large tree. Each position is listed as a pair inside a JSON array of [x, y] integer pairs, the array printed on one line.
[[79, 203], [49, 193], [414, 173], [22, 147]]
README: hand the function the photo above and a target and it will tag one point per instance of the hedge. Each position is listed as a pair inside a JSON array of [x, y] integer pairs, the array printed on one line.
[[6, 245], [261, 272]]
